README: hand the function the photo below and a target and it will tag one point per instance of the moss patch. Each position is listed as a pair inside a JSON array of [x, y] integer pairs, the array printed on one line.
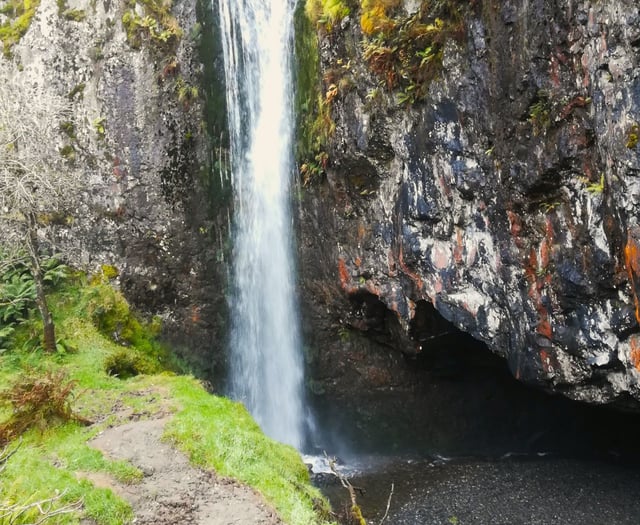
[[632, 136], [19, 13]]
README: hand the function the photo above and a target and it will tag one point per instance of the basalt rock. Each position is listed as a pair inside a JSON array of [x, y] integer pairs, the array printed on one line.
[[504, 203]]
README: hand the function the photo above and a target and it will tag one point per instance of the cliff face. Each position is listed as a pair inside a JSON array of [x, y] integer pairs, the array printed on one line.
[[146, 202], [500, 194]]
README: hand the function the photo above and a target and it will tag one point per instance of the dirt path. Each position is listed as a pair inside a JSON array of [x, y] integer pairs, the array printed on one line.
[[172, 491]]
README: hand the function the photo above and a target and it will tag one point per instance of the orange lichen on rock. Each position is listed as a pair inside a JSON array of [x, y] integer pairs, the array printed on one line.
[[195, 314], [536, 284], [546, 361], [544, 327], [458, 250], [515, 227], [412, 275], [393, 271], [362, 231], [632, 263], [343, 274], [634, 353]]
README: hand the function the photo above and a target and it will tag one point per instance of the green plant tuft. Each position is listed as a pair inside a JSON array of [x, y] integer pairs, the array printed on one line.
[[157, 28], [99, 126], [77, 90], [326, 13], [633, 136], [68, 152]]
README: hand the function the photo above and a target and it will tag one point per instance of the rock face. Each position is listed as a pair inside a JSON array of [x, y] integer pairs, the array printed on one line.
[[147, 205], [505, 202]]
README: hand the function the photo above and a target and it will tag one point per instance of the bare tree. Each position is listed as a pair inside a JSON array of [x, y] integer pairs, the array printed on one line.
[[36, 179]]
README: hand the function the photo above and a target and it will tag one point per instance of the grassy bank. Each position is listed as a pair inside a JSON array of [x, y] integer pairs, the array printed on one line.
[[108, 370]]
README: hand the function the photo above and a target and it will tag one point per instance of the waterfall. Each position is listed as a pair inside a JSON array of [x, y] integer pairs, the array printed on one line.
[[266, 362]]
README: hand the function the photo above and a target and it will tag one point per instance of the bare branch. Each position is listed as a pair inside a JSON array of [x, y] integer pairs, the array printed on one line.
[[12, 514], [34, 175], [386, 513], [356, 512], [6, 453]]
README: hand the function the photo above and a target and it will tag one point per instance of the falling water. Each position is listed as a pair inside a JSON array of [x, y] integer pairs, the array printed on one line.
[[266, 365]]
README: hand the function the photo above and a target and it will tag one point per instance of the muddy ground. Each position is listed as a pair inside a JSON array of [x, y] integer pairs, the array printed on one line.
[[172, 491]]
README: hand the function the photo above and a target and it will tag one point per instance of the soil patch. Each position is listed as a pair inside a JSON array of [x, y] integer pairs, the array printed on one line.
[[173, 491]]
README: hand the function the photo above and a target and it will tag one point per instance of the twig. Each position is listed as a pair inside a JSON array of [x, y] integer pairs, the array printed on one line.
[[355, 508], [10, 514], [386, 513], [5, 454]]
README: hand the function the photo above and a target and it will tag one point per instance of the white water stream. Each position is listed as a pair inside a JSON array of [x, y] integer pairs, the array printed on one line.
[[266, 361]]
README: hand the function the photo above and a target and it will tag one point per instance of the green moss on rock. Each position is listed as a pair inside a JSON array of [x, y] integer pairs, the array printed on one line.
[[633, 137], [19, 13], [313, 111]]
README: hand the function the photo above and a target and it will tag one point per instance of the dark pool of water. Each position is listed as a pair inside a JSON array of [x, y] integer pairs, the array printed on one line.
[[521, 456], [510, 491]]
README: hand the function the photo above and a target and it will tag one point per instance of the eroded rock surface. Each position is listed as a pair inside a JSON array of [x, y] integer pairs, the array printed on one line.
[[507, 199]]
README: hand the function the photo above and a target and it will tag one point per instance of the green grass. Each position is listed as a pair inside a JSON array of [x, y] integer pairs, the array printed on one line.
[[48, 461], [219, 433], [213, 431]]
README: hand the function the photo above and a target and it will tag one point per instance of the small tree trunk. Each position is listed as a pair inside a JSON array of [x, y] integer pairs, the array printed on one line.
[[36, 272]]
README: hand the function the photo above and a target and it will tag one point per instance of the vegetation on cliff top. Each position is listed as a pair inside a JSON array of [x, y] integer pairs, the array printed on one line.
[[403, 51], [84, 381]]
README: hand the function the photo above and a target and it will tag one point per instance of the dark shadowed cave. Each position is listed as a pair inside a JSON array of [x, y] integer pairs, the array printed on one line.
[[462, 401]]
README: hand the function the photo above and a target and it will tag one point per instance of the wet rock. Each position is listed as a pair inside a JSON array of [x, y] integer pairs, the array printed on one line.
[[506, 198]]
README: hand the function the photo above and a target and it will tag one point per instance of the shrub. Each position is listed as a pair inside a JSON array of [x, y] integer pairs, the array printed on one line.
[[127, 363], [37, 400]]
